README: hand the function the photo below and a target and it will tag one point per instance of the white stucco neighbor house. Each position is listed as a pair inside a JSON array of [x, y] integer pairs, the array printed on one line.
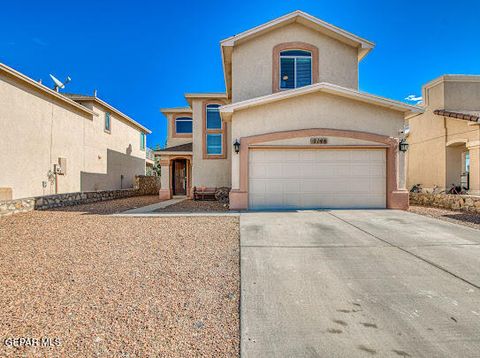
[[292, 130], [60, 143]]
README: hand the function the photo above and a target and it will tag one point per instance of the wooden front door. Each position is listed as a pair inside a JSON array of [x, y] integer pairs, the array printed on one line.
[[179, 177]]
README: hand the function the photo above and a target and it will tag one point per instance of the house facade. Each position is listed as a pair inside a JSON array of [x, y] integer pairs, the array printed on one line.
[[292, 130], [445, 139], [60, 143]]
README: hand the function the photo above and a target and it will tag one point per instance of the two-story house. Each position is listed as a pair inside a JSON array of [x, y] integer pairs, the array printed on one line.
[[56, 143], [445, 140], [292, 130]]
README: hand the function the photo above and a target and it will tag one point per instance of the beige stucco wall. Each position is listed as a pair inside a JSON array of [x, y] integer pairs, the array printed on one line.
[[208, 172], [426, 153], [437, 142], [112, 154], [252, 61], [316, 110], [462, 95], [37, 130]]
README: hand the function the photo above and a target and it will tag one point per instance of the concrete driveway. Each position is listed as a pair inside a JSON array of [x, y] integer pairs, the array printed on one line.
[[348, 283]]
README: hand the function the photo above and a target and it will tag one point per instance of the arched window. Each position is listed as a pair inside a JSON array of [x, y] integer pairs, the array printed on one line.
[[183, 125], [295, 69]]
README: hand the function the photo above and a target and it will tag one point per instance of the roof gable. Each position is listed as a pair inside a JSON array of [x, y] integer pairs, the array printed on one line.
[[363, 45]]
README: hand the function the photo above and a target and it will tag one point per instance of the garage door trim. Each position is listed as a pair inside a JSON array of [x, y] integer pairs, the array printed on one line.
[[396, 198]]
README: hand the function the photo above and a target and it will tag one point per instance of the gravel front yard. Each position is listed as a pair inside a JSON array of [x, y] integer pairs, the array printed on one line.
[[119, 286], [194, 206], [457, 217]]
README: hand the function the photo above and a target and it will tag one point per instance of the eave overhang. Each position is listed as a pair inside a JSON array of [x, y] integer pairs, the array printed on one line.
[[324, 87]]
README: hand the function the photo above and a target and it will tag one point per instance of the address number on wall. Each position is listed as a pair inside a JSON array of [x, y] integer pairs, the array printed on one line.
[[318, 140]]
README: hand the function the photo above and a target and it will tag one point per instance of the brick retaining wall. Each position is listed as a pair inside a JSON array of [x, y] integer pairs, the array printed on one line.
[[147, 184], [144, 185], [447, 201]]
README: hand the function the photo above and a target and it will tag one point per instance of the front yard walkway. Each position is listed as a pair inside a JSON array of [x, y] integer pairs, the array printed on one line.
[[119, 286]]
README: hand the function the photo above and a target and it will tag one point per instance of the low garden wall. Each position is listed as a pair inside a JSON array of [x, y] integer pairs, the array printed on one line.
[[447, 201], [147, 184], [144, 185]]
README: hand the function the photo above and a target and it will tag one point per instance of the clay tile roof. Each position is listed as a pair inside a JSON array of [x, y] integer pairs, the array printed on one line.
[[178, 148], [472, 116]]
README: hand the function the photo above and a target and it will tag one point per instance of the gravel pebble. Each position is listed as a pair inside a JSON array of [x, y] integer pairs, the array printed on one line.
[[458, 217], [120, 286], [194, 206]]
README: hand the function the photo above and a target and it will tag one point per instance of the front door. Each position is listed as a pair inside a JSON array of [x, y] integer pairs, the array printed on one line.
[[179, 177]]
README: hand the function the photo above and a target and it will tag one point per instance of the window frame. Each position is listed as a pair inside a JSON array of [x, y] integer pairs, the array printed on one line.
[[109, 129], [222, 131], [294, 68], [221, 143], [183, 119], [287, 46], [143, 141], [173, 126]]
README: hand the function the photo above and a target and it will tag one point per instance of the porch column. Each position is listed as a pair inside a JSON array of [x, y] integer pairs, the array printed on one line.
[[474, 151], [165, 192]]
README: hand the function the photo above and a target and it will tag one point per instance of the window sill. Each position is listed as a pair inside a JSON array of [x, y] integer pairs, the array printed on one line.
[[214, 156]]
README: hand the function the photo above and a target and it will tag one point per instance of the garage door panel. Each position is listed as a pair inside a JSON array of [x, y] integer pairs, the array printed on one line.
[[317, 179], [273, 170]]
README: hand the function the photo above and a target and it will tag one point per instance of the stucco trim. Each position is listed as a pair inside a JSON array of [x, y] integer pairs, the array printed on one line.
[[222, 131], [166, 111], [206, 96], [456, 142], [396, 198], [174, 127], [294, 45], [326, 87], [166, 162]]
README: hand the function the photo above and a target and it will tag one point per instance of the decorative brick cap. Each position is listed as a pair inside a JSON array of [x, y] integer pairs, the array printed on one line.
[[473, 117]]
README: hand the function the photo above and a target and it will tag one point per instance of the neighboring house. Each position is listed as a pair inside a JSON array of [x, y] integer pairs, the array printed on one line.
[[445, 139], [59, 143], [149, 162], [306, 136]]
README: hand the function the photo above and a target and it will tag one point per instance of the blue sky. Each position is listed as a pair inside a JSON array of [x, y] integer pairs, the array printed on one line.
[[144, 55]]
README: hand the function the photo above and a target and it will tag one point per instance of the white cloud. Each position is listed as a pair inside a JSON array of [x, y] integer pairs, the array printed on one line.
[[414, 98]]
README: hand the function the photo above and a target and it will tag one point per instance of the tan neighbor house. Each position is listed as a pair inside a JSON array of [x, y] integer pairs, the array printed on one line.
[[306, 136], [61, 143], [445, 139]]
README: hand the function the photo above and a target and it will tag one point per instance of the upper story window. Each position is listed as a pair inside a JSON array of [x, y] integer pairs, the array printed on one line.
[[143, 141], [183, 125], [295, 69], [215, 131], [213, 117], [107, 125]]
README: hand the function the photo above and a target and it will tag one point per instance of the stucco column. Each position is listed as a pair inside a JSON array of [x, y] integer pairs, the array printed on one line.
[[474, 169], [402, 170], [165, 192]]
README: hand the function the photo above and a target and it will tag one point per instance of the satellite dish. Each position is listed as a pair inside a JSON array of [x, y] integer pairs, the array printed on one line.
[[59, 84]]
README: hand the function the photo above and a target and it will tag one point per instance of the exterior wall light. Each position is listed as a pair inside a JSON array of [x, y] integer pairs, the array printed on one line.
[[236, 146], [403, 145]]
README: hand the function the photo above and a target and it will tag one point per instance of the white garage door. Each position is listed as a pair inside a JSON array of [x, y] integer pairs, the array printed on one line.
[[296, 179]]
